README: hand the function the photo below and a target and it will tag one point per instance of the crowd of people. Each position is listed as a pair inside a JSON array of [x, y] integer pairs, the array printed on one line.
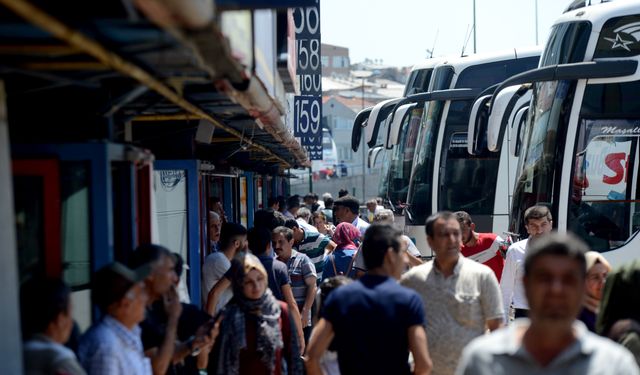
[[315, 287]]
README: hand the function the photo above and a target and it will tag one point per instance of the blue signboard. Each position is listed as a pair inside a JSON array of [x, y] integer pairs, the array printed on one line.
[[315, 152], [308, 106], [307, 115], [310, 84], [311, 141], [307, 26], [307, 21]]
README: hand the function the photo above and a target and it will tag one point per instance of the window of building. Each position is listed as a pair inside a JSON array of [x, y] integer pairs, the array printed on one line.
[[340, 62]]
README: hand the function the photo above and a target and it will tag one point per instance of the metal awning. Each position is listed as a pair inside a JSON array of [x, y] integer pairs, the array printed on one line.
[[160, 74]]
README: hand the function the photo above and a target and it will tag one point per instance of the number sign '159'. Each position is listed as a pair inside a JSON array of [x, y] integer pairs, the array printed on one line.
[[307, 116]]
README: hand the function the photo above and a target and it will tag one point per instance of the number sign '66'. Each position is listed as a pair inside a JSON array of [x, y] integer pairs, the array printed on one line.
[[307, 115]]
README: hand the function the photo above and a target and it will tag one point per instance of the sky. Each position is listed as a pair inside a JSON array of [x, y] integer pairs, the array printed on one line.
[[401, 31]]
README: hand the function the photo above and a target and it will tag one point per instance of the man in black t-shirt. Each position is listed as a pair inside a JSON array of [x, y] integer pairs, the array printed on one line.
[[373, 322]]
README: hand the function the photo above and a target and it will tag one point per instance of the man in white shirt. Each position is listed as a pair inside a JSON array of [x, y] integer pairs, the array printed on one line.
[[346, 210], [233, 238], [538, 222]]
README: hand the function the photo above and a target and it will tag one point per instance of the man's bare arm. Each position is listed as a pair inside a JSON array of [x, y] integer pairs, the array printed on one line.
[[331, 246], [311, 296], [287, 293], [414, 260], [163, 355], [321, 338], [215, 293], [494, 324], [418, 347]]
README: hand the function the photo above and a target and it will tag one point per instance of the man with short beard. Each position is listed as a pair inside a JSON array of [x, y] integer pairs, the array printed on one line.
[[538, 222], [373, 322], [302, 274], [461, 297]]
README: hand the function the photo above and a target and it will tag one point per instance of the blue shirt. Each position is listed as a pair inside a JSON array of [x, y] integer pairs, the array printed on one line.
[[110, 348], [371, 319], [342, 258], [278, 275]]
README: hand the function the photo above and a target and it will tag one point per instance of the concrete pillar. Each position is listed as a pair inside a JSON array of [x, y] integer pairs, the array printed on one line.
[[10, 343]]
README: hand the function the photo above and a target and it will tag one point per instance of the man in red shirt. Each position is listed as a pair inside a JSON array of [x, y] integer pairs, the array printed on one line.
[[482, 247]]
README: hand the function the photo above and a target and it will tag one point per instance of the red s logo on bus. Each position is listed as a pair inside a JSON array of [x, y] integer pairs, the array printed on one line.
[[614, 162]]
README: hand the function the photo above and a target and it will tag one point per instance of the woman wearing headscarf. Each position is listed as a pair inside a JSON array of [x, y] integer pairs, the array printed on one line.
[[597, 270], [256, 330], [340, 261]]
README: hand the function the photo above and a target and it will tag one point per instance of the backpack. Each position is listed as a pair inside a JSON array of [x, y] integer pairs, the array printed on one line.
[[349, 268]]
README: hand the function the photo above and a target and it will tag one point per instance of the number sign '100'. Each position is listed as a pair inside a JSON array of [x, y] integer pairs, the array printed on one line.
[[307, 116], [311, 84]]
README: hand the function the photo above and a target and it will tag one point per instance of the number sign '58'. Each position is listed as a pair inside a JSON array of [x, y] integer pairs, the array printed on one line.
[[307, 115]]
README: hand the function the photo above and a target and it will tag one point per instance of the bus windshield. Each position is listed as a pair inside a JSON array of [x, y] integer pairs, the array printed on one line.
[[468, 180], [401, 159], [418, 82], [420, 185], [458, 168], [536, 178], [538, 162], [422, 171], [604, 209]]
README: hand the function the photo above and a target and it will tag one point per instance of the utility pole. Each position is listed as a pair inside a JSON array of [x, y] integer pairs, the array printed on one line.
[[363, 144], [536, 2], [474, 26]]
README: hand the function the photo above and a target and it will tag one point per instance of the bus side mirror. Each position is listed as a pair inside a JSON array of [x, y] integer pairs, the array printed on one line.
[[377, 117], [503, 110], [517, 127], [477, 127], [399, 118], [373, 156], [497, 114], [359, 123]]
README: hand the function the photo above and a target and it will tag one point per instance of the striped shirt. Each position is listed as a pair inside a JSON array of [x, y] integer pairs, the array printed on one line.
[[313, 245], [110, 348], [300, 268]]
